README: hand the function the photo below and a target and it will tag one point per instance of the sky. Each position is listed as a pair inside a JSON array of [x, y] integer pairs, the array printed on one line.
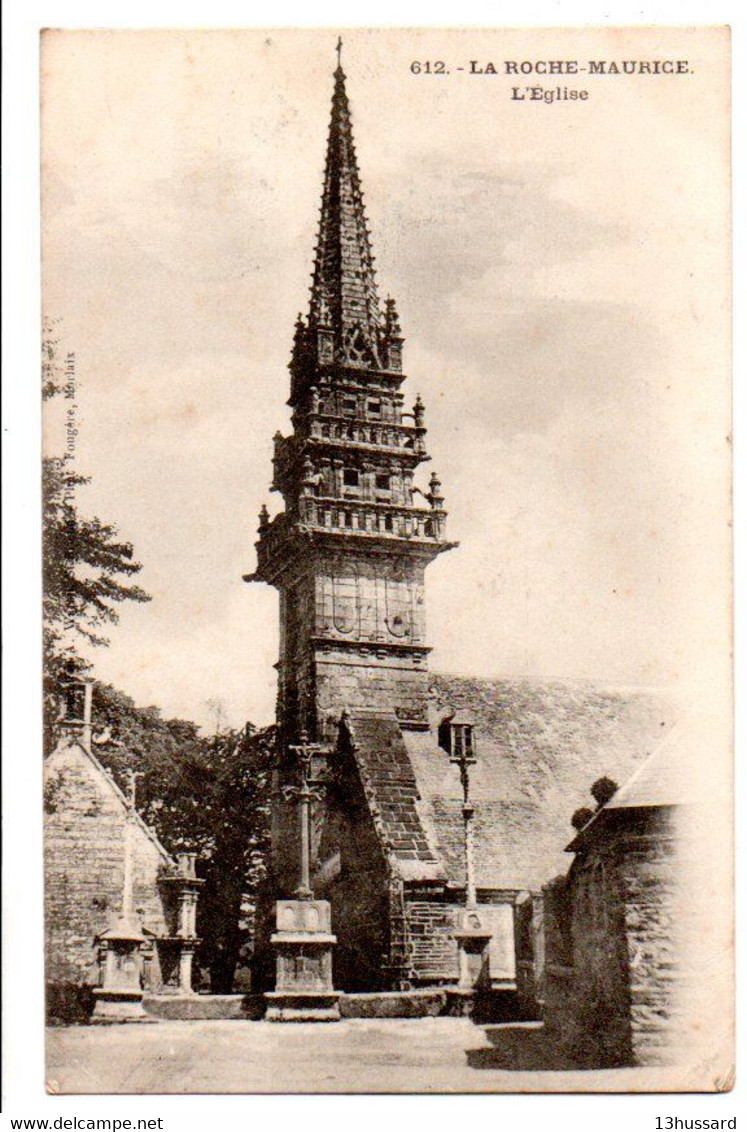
[[561, 276]]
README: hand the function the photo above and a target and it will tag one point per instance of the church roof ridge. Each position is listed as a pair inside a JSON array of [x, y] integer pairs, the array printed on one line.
[[540, 680]]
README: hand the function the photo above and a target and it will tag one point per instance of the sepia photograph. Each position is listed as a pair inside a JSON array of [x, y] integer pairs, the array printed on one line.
[[387, 626]]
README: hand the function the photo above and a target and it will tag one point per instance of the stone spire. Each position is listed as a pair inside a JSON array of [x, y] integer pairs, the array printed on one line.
[[344, 302]]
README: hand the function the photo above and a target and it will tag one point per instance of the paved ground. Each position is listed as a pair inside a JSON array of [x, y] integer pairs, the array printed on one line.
[[427, 1055]]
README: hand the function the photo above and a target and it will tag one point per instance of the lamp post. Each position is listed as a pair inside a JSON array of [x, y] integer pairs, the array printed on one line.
[[472, 936], [463, 756]]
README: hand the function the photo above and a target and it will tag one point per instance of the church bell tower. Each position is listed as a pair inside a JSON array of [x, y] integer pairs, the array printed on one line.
[[348, 552]]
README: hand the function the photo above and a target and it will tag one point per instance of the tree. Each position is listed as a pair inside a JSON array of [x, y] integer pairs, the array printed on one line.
[[85, 565]]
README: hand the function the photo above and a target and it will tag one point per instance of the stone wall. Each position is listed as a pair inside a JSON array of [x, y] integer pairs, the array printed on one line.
[[84, 839], [529, 951], [353, 876], [432, 948], [610, 979], [650, 876], [357, 678], [352, 637]]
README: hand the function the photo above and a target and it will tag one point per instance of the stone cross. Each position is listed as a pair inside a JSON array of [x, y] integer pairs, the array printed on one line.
[[128, 881], [307, 788]]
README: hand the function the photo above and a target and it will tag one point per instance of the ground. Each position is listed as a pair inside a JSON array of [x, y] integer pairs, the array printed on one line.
[[425, 1055]]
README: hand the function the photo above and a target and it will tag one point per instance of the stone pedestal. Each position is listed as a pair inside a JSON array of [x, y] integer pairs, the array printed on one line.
[[182, 944], [120, 997], [473, 939], [303, 944]]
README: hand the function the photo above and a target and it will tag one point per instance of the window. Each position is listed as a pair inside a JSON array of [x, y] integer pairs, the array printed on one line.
[[383, 482], [351, 477], [348, 406], [456, 736], [374, 408], [461, 740]]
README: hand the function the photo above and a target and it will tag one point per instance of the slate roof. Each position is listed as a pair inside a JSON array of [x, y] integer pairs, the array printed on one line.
[[539, 747], [664, 779], [661, 781], [389, 783]]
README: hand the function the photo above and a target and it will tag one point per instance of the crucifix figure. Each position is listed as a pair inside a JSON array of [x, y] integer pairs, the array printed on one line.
[[307, 788]]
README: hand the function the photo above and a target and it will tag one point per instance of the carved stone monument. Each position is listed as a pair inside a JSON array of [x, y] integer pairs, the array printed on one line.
[[182, 945], [120, 996], [304, 990]]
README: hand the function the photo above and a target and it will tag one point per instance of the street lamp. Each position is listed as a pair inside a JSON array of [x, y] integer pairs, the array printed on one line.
[[472, 936]]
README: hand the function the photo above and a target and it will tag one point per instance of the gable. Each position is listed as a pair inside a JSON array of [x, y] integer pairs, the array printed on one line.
[[75, 782]]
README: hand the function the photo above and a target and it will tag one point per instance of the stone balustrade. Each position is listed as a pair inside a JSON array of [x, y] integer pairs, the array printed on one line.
[[371, 517], [346, 430]]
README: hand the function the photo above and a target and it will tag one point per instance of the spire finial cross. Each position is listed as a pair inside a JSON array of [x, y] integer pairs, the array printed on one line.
[[338, 49]]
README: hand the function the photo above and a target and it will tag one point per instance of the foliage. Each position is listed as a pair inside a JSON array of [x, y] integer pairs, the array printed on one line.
[[86, 566], [83, 561], [581, 816], [52, 379], [603, 790], [209, 795]]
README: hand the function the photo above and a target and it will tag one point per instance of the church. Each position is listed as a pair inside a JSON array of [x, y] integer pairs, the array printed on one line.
[[437, 793]]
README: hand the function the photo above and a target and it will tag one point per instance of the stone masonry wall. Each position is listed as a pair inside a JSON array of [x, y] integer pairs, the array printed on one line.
[[610, 947], [433, 953], [648, 875], [84, 830], [351, 631], [359, 904], [600, 959], [356, 680]]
